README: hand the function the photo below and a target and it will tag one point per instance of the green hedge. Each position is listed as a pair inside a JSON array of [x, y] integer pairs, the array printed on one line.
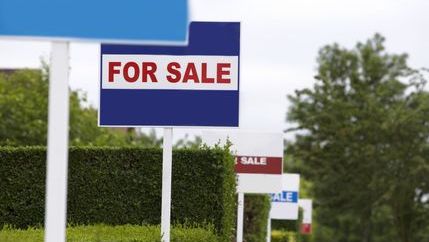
[[285, 225], [121, 186], [256, 211]]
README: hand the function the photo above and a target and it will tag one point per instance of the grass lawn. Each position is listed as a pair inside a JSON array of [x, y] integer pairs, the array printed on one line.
[[105, 233]]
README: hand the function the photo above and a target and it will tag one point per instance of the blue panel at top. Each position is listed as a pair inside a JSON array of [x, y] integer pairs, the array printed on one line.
[[206, 38], [134, 20]]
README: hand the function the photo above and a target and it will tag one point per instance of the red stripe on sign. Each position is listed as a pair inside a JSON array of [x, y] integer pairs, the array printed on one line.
[[258, 164], [305, 228]]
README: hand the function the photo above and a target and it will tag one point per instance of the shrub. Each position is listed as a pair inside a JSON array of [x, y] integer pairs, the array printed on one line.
[[285, 225], [121, 186]]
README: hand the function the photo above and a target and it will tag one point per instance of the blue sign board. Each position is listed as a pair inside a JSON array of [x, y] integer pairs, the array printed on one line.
[[109, 20], [285, 197], [195, 85]]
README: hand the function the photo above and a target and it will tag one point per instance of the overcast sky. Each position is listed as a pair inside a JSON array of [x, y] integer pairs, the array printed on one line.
[[279, 44]]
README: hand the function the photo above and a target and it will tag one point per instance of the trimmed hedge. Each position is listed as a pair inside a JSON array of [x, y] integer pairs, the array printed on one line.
[[121, 186], [285, 225], [256, 211]]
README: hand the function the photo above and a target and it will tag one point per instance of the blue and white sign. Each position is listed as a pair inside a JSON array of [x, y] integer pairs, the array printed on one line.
[[196, 85], [108, 20], [284, 204], [284, 197]]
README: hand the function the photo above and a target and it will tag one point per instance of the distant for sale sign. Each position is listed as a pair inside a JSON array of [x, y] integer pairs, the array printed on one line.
[[159, 85], [284, 202], [307, 207], [258, 158]]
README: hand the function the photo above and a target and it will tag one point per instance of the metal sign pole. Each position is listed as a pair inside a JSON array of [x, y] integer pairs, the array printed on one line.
[[57, 153], [240, 212], [167, 157]]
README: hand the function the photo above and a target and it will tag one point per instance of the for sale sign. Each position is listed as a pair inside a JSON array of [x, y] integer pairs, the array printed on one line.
[[284, 202], [196, 85], [258, 158]]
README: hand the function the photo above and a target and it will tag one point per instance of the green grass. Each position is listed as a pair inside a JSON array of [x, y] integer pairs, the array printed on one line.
[[105, 233], [283, 236]]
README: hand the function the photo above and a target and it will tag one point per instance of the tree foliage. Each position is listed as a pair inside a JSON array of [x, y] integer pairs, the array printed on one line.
[[24, 114], [364, 144]]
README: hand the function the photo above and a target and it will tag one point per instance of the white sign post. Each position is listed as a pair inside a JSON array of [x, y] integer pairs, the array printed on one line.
[[269, 228], [57, 152], [259, 164], [167, 157], [240, 214]]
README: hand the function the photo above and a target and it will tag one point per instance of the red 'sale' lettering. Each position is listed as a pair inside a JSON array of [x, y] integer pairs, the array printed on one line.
[[172, 68], [221, 71], [191, 73], [204, 78]]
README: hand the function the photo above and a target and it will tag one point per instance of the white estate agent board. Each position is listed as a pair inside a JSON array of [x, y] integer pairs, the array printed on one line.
[[259, 158], [284, 203]]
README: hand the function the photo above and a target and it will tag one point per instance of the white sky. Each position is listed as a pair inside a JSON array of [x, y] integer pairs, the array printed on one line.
[[279, 44]]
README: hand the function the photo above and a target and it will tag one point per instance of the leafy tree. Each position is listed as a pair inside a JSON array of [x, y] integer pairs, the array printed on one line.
[[23, 108], [24, 112], [364, 144]]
